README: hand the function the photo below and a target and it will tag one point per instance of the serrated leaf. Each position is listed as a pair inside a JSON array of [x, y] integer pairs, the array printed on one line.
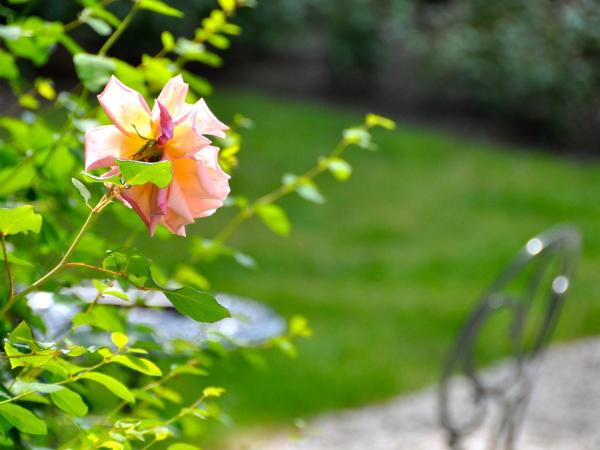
[[197, 305], [275, 218], [137, 173], [22, 419], [83, 190], [113, 385], [19, 220], [70, 402]]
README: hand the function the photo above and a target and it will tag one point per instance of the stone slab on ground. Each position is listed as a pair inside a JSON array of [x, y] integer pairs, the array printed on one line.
[[563, 414]]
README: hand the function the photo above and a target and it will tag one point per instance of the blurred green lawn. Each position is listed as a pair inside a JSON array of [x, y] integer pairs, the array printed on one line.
[[388, 268]]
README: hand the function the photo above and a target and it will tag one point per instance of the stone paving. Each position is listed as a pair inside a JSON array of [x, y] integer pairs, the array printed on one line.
[[563, 414]]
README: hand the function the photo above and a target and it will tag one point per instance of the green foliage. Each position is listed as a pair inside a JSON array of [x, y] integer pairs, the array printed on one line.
[[93, 70], [124, 390], [19, 220], [137, 173], [200, 306]]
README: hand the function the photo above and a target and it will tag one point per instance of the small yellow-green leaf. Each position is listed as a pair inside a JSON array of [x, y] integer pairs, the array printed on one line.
[[275, 218], [213, 391], [168, 41], [182, 446], [119, 339], [140, 364], [375, 120], [160, 7], [45, 88]]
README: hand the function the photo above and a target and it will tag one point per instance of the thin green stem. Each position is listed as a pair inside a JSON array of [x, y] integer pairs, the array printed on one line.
[[248, 212], [62, 264], [71, 379], [8, 271], [182, 413], [119, 31]]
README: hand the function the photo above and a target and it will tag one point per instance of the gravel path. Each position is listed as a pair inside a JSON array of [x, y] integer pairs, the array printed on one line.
[[564, 414]]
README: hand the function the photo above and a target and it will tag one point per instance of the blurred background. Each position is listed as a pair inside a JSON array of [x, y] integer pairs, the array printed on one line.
[[498, 109]]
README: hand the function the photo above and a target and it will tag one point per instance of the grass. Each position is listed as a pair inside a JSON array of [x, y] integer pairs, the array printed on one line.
[[387, 270]]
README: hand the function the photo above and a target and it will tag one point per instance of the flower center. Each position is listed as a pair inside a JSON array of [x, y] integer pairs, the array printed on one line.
[[151, 151]]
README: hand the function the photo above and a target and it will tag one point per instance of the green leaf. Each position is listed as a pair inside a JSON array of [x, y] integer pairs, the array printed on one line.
[[70, 402], [304, 187], [137, 173], [160, 7], [187, 275], [19, 220], [103, 317], [213, 391], [227, 5], [94, 71], [36, 40], [17, 177], [199, 85], [18, 261], [98, 25], [133, 265], [338, 167], [139, 364], [83, 190], [200, 306], [358, 136], [20, 386], [168, 41], [275, 218], [96, 179], [119, 339], [374, 120], [113, 385], [22, 419], [182, 446], [8, 67], [131, 76]]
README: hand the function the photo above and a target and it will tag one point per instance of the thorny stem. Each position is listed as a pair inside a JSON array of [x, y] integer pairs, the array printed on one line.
[[8, 271]]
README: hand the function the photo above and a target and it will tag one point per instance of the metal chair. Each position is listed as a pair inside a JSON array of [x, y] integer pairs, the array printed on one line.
[[531, 291]]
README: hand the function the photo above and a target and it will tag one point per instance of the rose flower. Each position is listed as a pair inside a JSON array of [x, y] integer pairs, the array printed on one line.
[[173, 130]]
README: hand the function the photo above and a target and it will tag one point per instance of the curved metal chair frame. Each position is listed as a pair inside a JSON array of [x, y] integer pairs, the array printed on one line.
[[550, 258]]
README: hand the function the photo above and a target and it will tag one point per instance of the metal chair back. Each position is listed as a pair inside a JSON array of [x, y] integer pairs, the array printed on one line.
[[530, 292]]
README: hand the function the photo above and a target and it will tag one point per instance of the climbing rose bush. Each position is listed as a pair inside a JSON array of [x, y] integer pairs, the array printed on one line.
[[77, 371]]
